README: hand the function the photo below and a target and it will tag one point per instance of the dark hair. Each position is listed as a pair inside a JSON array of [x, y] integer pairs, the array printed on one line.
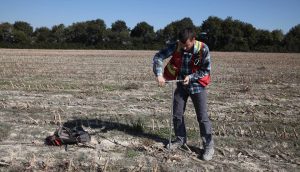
[[185, 34]]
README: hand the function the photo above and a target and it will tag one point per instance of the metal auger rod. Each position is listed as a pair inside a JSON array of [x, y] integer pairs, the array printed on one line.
[[171, 114], [173, 81]]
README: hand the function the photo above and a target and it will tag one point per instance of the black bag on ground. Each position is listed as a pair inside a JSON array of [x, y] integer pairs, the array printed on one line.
[[65, 136]]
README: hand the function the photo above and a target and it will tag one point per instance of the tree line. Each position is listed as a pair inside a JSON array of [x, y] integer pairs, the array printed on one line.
[[219, 34]]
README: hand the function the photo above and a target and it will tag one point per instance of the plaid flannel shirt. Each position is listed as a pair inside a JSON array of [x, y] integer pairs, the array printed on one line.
[[194, 86]]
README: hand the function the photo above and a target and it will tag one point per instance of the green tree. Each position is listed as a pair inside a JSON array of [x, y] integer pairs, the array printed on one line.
[[76, 33], [277, 38], [249, 35], [119, 26], [227, 37], [142, 34], [142, 29], [42, 35], [24, 27], [119, 35], [212, 26], [264, 41], [42, 38], [292, 39], [22, 33], [86, 33], [159, 39], [233, 36], [6, 33], [58, 33], [171, 30], [20, 38], [95, 31]]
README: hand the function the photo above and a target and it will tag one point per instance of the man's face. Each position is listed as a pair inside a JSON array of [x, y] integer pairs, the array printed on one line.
[[188, 45]]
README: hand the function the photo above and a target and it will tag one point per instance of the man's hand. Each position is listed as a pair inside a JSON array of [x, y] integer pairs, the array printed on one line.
[[161, 80], [186, 80]]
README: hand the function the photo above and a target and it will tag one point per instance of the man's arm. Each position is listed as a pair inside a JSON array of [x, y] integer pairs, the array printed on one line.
[[158, 62], [160, 57]]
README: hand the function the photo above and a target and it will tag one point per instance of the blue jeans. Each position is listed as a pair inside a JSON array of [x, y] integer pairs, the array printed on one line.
[[181, 95]]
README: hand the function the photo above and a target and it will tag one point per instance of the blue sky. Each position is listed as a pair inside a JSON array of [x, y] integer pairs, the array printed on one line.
[[262, 14]]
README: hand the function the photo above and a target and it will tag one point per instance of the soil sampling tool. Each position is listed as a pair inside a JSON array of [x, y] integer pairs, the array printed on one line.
[[171, 114]]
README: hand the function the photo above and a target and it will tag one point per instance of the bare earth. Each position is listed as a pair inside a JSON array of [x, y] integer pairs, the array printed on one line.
[[254, 105]]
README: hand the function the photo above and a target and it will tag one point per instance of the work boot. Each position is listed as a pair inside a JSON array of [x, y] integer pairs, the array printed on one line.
[[208, 145], [178, 143], [208, 153]]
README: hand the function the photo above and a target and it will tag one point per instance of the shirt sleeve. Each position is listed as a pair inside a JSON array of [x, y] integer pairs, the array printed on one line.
[[205, 65], [160, 57]]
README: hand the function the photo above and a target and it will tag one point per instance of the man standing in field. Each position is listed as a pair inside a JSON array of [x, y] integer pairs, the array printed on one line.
[[191, 63]]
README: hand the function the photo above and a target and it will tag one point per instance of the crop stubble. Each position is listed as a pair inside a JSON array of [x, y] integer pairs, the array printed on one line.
[[253, 104]]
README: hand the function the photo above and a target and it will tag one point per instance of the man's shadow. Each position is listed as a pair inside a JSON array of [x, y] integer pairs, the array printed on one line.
[[105, 126], [134, 130]]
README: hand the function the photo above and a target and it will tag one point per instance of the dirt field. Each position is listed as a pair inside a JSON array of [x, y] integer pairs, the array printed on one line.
[[254, 105]]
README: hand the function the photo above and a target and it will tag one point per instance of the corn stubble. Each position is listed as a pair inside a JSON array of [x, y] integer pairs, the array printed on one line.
[[253, 103]]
